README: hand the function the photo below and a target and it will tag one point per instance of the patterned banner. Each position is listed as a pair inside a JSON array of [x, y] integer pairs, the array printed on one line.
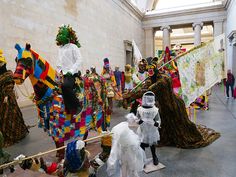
[[201, 68]]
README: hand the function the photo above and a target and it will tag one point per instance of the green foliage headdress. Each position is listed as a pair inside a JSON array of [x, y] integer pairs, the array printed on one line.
[[66, 35]]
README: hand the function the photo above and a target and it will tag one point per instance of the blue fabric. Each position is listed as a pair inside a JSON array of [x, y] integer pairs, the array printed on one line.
[[117, 77], [73, 157], [37, 70], [20, 50], [44, 113], [47, 94]]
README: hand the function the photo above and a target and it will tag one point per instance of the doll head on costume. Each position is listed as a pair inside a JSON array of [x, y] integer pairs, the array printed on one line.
[[128, 68], [93, 69], [142, 66], [148, 99], [106, 65], [153, 70]]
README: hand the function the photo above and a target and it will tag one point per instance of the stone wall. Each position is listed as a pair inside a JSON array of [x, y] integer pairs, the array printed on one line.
[[231, 26], [102, 26]]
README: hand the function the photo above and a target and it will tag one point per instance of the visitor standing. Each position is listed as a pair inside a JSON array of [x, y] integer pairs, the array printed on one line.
[[229, 83]]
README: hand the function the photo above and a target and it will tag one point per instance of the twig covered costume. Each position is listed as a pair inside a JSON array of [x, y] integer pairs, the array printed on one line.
[[150, 121], [12, 124], [176, 128]]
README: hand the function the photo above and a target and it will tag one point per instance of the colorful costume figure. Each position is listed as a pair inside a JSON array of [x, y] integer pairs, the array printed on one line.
[[142, 73], [69, 62], [135, 78], [101, 158], [51, 108], [149, 121], [128, 78], [127, 157], [12, 124], [76, 160], [176, 85], [118, 76], [110, 82], [99, 84], [76, 163]]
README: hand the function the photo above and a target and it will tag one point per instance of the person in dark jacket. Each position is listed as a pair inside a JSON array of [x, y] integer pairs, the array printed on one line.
[[230, 83]]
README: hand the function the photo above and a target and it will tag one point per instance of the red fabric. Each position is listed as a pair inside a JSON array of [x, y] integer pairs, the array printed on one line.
[[176, 82], [35, 54], [51, 169], [45, 72], [229, 78], [122, 80], [167, 55], [235, 93]]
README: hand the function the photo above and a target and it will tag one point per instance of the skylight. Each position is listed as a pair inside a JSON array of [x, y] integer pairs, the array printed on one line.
[[167, 4]]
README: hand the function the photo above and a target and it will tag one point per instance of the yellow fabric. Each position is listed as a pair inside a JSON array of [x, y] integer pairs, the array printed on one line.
[[35, 166], [2, 58], [106, 140], [128, 77], [33, 79], [51, 74], [26, 54], [67, 129]]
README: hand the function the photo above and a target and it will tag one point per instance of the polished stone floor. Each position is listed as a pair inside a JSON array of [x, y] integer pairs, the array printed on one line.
[[215, 160]]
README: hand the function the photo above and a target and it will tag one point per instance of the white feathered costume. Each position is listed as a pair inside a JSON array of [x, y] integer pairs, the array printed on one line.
[[127, 157]]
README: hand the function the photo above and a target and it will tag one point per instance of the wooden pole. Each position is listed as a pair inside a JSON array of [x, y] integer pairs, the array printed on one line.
[[15, 162], [195, 115]]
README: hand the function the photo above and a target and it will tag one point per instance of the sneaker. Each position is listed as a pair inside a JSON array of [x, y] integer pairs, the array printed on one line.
[[227, 97]]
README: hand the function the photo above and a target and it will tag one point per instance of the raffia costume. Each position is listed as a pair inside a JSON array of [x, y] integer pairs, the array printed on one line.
[[12, 124]]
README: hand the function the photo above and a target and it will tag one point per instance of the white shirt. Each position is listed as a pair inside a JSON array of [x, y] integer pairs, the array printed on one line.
[[69, 59]]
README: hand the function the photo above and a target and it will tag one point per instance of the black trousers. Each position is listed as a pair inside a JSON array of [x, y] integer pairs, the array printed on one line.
[[70, 100], [231, 86]]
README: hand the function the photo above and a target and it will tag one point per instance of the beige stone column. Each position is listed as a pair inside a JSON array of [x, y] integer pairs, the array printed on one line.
[[197, 27], [166, 36], [218, 27], [149, 42]]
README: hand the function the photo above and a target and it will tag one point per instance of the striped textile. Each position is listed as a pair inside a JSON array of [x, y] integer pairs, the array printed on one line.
[[51, 108]]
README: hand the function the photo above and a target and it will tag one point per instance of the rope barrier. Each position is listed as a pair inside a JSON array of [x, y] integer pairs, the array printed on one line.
[[15, 162]]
